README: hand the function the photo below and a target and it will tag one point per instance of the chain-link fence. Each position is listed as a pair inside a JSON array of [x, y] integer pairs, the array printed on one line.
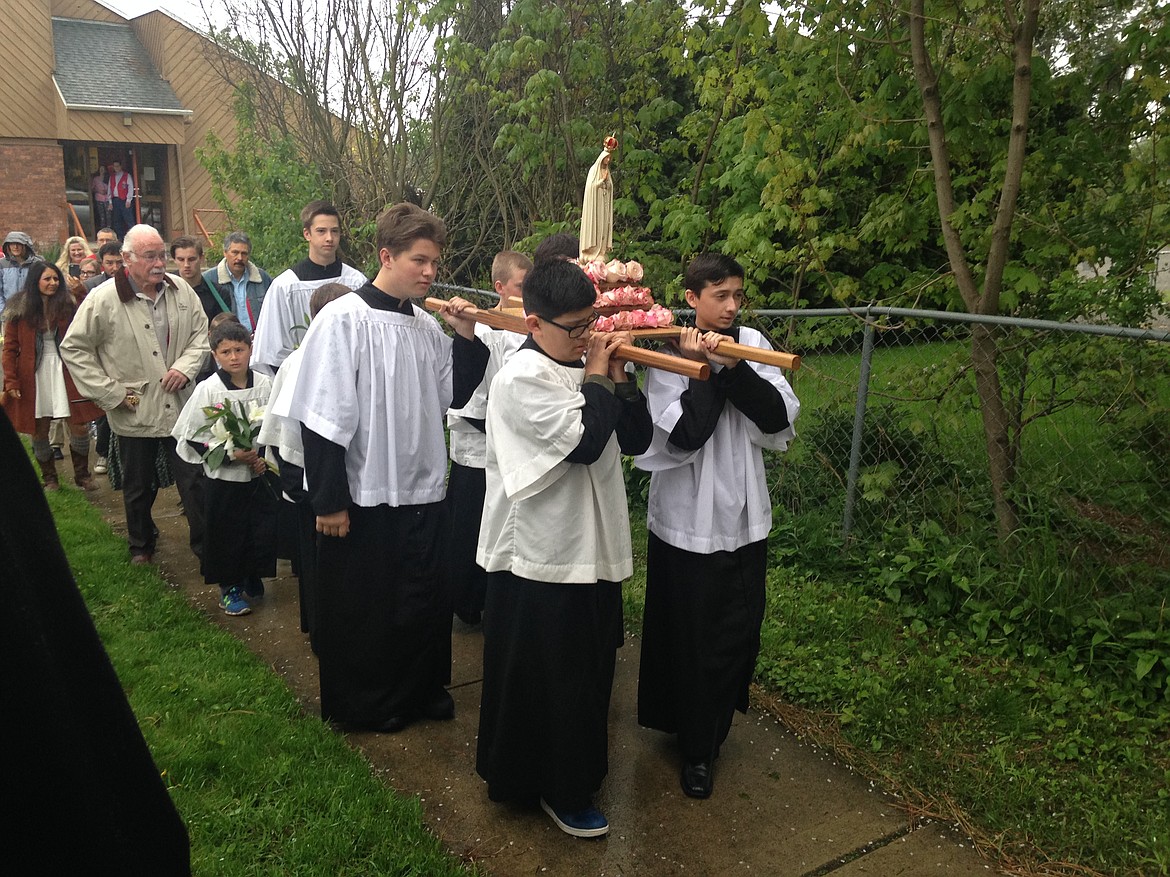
[[893, 442], [895, 436]]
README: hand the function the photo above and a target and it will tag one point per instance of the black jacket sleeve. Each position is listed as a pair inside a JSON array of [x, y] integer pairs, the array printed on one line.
[[702, 404], [469, 359], [752, 394], [325, 471], [600, 417], [635, 429], [292, 478]]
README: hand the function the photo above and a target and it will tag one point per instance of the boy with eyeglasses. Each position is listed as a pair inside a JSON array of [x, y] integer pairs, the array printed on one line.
[[555, 540]]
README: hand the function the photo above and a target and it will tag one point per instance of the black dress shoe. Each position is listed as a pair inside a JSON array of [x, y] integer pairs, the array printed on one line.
[[470, 617], [696, 778], [441, 709], [392, 725]]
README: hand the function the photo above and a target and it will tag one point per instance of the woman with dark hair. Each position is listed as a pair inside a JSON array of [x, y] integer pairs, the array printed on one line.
[[37, 386], [99, 184]]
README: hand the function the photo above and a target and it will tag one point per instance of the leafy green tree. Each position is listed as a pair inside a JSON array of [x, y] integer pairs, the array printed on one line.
[[931, 155], [261, 185], [527, 104]]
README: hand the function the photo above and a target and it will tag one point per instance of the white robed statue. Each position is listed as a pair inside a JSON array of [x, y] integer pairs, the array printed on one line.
[[597, 207]]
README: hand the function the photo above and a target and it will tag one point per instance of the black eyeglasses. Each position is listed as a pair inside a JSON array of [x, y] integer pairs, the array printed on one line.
[[573, 331]]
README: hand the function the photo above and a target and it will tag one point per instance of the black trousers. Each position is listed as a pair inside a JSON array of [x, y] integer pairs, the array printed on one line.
[[465, 492], [383, 626], [241, 530], [122, 218], [138, 491], [700, 639], [103, 436], [549, 652]]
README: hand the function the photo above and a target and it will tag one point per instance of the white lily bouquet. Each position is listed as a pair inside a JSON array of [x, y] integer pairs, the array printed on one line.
[[230, 427]]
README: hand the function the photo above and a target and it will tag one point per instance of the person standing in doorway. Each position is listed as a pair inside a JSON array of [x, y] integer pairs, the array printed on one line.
[[122, 194], [99, 185]]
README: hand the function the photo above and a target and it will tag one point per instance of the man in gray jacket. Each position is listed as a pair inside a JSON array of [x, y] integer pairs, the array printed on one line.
[[18, 256], [237, 283], [134, 346]]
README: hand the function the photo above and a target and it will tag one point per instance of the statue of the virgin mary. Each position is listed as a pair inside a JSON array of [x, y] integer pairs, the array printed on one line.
[[597, 207]]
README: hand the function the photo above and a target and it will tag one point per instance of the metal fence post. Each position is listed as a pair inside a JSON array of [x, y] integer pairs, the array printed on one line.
[[858, 428]]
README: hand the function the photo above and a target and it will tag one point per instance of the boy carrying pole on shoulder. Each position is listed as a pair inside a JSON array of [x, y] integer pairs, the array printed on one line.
[[467, 425], [555, 540], [708, 516]]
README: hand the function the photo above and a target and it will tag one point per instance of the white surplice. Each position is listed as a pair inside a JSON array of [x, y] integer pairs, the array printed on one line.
[[283, 433], [377, 382], [715, 498], [469, 444], [286, 312], [546, 519], [209, 392]]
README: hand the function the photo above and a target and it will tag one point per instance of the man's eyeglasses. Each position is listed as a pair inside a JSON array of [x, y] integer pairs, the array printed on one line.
[[573, 331], [150, 257]]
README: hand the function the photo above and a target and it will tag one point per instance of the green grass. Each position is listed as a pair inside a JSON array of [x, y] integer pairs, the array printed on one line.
[[263, 788], [1042, 761]]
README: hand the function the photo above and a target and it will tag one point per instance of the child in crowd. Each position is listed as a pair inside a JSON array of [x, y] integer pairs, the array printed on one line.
[[465, 482], [283, 437], [209, 365], [555, 539], [709, 515], [240, 548]]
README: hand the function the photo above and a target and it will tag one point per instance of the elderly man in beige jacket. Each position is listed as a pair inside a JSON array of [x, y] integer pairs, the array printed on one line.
[[134, 347]]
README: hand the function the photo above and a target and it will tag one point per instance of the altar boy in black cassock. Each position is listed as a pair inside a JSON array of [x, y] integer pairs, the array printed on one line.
[[555, 539], [709, 515], [370, 394]]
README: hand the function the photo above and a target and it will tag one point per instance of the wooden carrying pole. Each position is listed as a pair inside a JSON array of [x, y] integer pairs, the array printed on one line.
[[627, 352], [740, 351]]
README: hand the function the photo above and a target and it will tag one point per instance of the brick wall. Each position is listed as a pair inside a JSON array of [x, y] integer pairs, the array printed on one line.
[[32, 190]]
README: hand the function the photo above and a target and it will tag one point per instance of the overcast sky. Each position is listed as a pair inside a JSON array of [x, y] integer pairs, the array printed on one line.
[[188, 10]]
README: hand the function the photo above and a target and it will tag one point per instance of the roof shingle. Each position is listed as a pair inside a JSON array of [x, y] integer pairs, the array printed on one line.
[[104, 65]]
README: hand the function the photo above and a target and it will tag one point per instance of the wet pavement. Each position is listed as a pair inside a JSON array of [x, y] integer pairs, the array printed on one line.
[[781, 806]]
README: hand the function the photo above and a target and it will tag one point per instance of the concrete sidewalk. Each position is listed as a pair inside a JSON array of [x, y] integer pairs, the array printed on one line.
[[780, 807]]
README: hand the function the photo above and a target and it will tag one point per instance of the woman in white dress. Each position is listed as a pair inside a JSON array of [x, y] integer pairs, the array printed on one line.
[[37, 386]]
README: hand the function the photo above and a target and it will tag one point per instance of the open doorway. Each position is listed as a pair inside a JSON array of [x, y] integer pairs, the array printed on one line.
[[90, 175]]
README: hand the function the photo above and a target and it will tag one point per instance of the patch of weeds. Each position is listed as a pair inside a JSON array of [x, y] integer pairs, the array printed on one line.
[[1041, 754]]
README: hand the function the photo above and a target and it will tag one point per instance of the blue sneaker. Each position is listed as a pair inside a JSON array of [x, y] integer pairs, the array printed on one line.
[[233, 602], [587, 822]]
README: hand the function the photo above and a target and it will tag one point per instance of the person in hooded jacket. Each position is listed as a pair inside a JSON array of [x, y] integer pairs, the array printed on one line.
[[19, 254]]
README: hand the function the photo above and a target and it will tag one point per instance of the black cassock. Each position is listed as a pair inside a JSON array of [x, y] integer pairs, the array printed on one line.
[[84, 795]]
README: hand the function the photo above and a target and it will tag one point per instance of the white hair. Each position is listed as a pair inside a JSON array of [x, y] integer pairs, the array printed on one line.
[[139, 231]]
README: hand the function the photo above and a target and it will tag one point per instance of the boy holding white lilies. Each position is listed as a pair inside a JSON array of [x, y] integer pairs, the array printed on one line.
[[218, 427]]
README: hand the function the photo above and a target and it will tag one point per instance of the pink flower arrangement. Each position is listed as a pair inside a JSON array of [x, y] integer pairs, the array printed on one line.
[[594, 270], [656, 317], [624, 296]]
